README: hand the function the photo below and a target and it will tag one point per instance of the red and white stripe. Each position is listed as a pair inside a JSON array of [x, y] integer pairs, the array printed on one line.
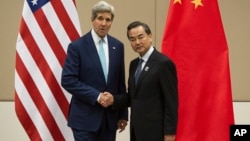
[[41, 104]]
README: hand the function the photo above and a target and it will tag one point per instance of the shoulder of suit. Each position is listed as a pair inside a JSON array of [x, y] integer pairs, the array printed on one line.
[[160, 56], [113, 39], [85, 39], [134, 61]]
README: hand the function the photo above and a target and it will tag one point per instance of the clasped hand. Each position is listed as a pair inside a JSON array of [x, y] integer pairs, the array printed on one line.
[[106, 99]]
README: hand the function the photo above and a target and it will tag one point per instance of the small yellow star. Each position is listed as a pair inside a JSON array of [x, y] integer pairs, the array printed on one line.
[[175, 1], [197, 3]]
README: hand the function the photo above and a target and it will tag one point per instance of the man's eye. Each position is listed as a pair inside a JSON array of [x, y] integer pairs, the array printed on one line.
[[132, 39], [108, 20], [140, 37], [100, 18]]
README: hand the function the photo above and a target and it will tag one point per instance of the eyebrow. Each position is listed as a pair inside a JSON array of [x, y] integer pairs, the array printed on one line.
[[136, 36]]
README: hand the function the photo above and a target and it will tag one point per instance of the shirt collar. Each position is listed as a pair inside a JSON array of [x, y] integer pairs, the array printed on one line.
[[96, 38], [147, 55]]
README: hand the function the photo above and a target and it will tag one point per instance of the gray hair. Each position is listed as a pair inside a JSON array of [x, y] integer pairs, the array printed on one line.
[[100, 7]]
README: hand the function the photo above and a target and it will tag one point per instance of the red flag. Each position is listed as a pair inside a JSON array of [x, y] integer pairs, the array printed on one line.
[[195, 40], [41, 104]]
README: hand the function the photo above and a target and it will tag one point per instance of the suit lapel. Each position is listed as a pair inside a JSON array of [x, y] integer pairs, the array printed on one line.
[[112, 56], [93, 54], [147, 68], [131, 79]]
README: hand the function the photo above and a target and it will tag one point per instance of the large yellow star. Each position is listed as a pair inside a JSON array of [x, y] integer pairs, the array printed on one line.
[[175, 1], [197, 3]]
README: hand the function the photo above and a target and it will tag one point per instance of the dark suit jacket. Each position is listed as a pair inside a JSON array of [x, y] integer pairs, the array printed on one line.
[[82, 76], [154, 102]]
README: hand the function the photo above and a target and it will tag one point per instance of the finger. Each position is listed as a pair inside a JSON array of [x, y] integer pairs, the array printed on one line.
[[122, 129]]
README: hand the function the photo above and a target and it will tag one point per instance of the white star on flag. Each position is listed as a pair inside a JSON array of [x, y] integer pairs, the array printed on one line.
[[34, 2]]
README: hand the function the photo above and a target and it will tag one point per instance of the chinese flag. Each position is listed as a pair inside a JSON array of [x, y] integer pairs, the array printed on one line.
[[195, 40]]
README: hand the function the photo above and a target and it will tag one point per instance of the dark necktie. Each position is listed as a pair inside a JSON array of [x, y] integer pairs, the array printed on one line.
[[138, 71]]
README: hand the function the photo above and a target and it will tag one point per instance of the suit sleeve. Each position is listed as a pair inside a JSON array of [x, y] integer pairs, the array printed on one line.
[[70, 78], [123, 112], [121, 102], [169, 85]]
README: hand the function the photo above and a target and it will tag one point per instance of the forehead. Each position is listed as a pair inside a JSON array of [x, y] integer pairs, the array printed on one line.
[[104, 14], [137, 31]]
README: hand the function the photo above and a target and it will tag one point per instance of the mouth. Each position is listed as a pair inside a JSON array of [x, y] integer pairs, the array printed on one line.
[[103, 29], [138, 47]]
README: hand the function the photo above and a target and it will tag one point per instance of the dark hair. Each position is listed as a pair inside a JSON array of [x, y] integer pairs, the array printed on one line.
[[136, 24]]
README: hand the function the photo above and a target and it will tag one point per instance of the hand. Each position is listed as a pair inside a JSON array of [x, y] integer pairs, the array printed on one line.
[[169, 138], [122, 125], [106, 99]]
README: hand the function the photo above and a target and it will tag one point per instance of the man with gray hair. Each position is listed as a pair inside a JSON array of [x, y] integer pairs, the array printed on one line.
[[95, 65]]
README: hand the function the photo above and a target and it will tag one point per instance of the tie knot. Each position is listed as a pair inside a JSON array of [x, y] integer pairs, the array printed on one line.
[[141, 60], [101, 41]]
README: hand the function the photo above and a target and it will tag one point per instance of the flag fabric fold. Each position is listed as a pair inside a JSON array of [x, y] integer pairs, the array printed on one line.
[[194, 39], [41, 104]]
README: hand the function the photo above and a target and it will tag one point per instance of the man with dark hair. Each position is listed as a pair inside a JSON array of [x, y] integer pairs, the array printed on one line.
[[152, 90]]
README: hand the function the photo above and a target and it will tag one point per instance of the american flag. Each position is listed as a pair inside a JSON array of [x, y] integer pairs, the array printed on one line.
[[41, 104]]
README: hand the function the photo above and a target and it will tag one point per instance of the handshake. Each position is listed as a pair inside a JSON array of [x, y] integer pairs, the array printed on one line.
[[106, 99]]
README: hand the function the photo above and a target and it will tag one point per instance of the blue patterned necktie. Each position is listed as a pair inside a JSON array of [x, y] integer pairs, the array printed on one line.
[[103, 58], [138, 71]]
